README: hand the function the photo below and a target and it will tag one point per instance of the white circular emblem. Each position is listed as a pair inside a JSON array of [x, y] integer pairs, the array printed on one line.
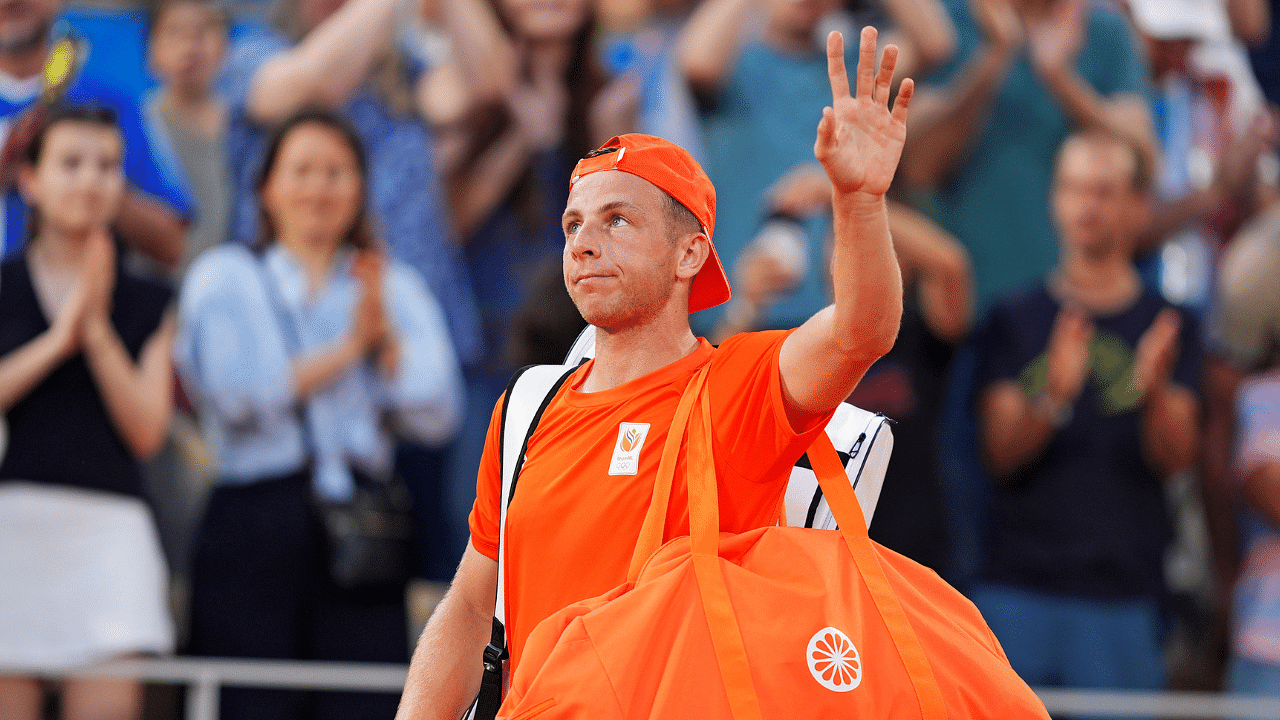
[[833, 660]]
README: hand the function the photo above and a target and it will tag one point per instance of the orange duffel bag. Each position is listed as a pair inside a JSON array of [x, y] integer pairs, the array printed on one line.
[[777, 622]]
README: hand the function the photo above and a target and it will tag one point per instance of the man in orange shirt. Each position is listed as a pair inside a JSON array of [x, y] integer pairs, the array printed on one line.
[[638, 259]]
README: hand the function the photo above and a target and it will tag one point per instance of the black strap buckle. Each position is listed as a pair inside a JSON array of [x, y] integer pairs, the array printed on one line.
[[493, 657]]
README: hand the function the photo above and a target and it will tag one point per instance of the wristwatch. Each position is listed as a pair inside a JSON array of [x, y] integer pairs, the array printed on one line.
[[1058, 414]]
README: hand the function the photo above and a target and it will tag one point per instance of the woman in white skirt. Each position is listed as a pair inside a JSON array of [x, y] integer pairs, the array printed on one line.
[[86, 388]]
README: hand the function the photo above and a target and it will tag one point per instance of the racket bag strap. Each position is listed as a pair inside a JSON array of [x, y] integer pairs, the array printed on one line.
[[494, 680]]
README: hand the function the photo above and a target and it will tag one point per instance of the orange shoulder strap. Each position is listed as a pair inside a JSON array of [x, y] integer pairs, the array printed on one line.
[[704, 531], [655, 519]]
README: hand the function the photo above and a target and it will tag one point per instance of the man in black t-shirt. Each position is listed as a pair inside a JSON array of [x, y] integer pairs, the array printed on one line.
[[1088, 402]]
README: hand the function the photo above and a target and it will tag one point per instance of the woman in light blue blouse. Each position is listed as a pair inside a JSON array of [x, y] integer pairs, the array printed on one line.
[[303, 359]]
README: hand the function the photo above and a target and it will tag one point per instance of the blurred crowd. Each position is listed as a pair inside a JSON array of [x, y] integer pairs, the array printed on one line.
[[264, 252]]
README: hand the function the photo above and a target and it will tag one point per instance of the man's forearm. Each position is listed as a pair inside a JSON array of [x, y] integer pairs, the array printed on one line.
[[485, 54], [152, 228], [1088, 108], [941, 267], [329, 64], [708, 46], [865, 278], [445, 673], [477, 189], [1016, 429], [826, 357], [1218, 493], [1193, 207], [928, 27], [1170, 429], [947, 122]]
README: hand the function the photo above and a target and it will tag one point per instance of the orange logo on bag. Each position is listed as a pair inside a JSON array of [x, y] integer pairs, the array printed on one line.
[[834, 661]]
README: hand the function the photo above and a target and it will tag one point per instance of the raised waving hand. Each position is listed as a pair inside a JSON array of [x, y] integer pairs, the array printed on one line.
[[860, 138]]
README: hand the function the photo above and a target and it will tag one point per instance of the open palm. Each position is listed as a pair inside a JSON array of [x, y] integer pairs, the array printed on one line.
[[860, 138]]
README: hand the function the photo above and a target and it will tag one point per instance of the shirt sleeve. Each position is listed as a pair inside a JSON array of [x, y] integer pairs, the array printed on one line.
[[745, 386], [228, 347], [967, 41], [1247, 307], [243, 62], [486, 512], [426, 393], [996, 361], [1123, 68]]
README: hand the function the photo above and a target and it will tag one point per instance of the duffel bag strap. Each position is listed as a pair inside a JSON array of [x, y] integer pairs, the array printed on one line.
[[704, 540], [848, 514], [655, 520], [726, 635]]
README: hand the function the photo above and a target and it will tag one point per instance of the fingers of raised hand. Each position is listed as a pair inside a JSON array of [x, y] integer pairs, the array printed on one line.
[[885, 78], [866, 62], [836, 71], [872, 83], [826, 134], [903, 102]]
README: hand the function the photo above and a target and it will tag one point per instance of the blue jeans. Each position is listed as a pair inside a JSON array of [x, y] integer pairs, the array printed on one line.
[[1076, 642], [1250, 677]]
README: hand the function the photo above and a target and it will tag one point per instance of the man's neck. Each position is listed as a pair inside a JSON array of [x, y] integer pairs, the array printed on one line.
[[1103, 284], [201, 113], [624, 355], [24, 64], [57, 250]]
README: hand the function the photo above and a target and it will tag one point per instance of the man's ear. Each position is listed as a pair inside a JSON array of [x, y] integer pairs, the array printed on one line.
[[695, 249]]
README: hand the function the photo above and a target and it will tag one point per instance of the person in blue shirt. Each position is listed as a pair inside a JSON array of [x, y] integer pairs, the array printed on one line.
[[759, 100], [1025, 74], [340, 55], [35, 71], [123, 28], [304, 359]]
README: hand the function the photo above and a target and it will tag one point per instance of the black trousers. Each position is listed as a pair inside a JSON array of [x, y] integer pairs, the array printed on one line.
[[260, 589]]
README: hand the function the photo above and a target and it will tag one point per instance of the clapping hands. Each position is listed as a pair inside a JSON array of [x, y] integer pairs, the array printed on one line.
[[1156, 354], [372, 330], [1068, 355], [1056, 37], [86, 311]]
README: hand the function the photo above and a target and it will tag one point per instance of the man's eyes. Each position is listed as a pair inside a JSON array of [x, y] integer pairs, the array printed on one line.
[[576, 225]]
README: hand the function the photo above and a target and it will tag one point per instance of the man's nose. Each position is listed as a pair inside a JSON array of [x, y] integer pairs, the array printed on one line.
[[585, 242]]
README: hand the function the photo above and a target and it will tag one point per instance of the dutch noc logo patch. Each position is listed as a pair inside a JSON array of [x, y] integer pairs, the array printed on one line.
[[626, 452]]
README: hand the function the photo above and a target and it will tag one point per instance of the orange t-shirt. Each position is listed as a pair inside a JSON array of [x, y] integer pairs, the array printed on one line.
[[573, 525]]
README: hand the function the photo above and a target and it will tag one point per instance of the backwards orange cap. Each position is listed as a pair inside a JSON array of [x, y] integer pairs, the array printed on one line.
[[676, 173]]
